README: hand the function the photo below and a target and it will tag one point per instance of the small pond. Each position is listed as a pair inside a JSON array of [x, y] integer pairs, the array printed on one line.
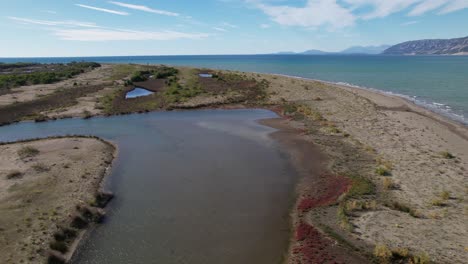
[[138, 92], [205, 75]]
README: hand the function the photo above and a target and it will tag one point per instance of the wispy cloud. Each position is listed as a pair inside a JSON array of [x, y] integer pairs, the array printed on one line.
[[314, 13], [344, 13], [49, 11], [144, 8], [53, 23], [85, 31], [229, 25], [409, 23], [104, 10], [120, 34], [220, 29], [264, 26]]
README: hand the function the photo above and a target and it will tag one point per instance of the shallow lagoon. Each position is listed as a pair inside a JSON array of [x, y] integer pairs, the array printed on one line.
[[191, 187]]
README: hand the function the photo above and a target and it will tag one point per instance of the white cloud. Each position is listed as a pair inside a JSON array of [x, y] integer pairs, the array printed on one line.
[[453, 6], [118, 34], [344, 13], [53, 23], [226, 24], [220, 29], [314, 13], [104, 10], [409, 23], [426, 6], [85, 31], [264, 26], [144, 8]]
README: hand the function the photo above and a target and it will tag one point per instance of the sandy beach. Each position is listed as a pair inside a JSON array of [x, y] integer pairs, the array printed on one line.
[[43, 183]]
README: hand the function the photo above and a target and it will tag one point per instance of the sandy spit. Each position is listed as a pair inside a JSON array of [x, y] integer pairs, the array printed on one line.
[[48, 185]]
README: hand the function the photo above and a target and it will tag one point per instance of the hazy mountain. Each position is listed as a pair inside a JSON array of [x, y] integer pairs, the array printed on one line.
[[430, 47], [365, 49], [351, 50]]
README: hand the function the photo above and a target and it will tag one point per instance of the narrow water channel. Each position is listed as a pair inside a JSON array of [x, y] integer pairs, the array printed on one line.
[[191, 187]]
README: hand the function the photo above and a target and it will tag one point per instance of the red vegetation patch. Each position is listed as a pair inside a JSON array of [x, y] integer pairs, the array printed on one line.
[[314, 247], [311, 245], [335, 187], [303, 231]]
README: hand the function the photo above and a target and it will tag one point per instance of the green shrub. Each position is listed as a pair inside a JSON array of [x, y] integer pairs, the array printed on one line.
[[382, 171], [447, 155], [383, 253], [421, 258]]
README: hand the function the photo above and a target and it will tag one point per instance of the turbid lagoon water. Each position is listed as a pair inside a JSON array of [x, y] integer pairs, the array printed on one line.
[[439, 83], [191, 187]]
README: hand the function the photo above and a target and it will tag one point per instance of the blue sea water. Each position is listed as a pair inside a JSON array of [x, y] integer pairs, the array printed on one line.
[[439, 83]]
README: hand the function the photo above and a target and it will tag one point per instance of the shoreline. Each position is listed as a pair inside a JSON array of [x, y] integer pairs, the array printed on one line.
[[460, 120]]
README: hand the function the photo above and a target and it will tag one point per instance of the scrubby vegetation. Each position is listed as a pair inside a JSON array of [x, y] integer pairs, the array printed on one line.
[[12, 75], [14, 174], [27, 152], [354, 200], [447, 155]]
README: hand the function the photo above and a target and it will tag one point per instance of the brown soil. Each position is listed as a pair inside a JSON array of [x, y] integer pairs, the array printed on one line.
[[154, 85]]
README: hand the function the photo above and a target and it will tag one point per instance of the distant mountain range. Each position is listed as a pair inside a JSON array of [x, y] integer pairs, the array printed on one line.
[[352, 50], [456, 46]]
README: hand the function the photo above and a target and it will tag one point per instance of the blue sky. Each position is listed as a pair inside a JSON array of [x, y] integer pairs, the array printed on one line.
[[156, 27]]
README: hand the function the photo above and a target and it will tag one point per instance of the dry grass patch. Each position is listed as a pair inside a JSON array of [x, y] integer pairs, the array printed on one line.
[[40, 167], [28, 152], [447, 155], [14, 175], [388, 184]]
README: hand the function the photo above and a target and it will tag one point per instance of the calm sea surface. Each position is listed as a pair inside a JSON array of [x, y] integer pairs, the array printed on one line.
[[436, 82]]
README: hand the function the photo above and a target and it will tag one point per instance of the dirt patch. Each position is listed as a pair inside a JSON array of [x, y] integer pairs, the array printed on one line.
[[59, 175], [154, 85]]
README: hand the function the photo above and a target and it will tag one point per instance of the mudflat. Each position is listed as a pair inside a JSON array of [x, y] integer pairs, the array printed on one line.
[[41, 184]]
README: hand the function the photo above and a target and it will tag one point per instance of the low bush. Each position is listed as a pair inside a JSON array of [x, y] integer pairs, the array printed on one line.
[[382, 171], [59, 246], [383, 253], [27, 152], [445, 195], [388, 184], [447, 155], [40, 167], [14, 175]]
